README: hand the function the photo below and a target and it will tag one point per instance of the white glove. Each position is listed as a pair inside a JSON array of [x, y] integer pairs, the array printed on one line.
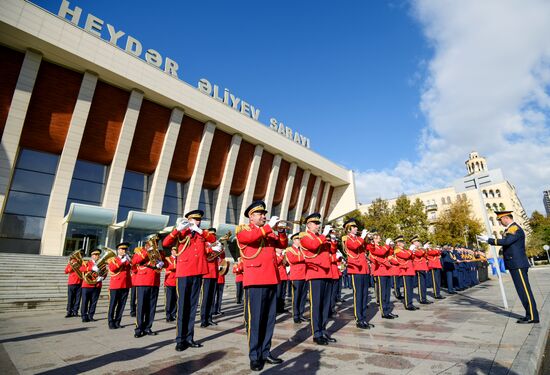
[[364, 233], [219, 268], [388, 241], [333, 237], [195, 228], [273, 221], [217, 248], [183, 225], [413, 247], [95, 269], [427, 246], [338, 255], [326, 230], [160, 264], [99, 278], [483, 238], [124, 259]]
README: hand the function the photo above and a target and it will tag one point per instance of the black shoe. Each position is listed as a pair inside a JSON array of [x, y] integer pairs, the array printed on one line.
[[139, 334], [85, 320], [133, 315], [93, 320], [394, 315], [453, 292], [531, 321], [305, 320], [368, 325], [204, 325], [298, 321], [69, 315], [212, 323], [220, 313], [256, 365], [112, 326], [416, 308], [167, 320], [361, 325], [150, 333], [273, 360], [439, 297], [193, 344], [329, 338], [320, 340], [117, 325], [388, 316], [181, 347]]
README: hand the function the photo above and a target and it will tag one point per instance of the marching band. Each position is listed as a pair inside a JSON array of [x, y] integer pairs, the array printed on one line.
[[315, 262]]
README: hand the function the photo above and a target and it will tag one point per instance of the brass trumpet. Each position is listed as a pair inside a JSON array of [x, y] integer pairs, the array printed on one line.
[[213, 255], [287, 224]]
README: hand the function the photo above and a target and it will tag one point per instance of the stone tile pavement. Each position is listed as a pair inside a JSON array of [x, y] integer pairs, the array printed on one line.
[[468, 333]]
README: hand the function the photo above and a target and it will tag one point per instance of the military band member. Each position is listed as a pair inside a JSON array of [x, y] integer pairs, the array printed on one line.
[[170, 292], [358, 269], [421, 267], [74, 289], [434, 265], [382, 271], [238, 271], [91, 292], [133, 273], [515, 260], [297, 278], [220, 285], [316, 250], [448, 264], [283, 279], [147, 282], [396, 279], [335, 274], [209, 280], [192, 242], [119, 285], [257, 243], [405, 259]]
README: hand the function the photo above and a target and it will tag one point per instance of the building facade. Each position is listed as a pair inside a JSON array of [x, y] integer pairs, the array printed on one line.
[[498, 195], [546, 201], [100, 146]]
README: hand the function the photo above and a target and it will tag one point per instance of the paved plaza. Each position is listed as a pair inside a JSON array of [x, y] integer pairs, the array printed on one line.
[[468, 333]]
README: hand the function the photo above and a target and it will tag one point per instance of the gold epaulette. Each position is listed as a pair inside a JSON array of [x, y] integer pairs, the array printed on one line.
[[302, 235], [241, 227], [344, 238], [513, 229]]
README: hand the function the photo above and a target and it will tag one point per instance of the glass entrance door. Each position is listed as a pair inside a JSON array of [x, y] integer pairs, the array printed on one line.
[[84, 236]]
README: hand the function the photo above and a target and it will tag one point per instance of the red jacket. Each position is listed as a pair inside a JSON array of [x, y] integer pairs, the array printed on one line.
[[404, 257], [212, 266], [420, 262], [357, 260], [170, 267], [283, 276], [395, 269], [87, 267], [192, 251], [120, 274], [221, 278], [147, 273], [297, 263], [238, 271], [257, 246], [379, 257], [334, 261], [316, 250], [434, 259], [73, 276]]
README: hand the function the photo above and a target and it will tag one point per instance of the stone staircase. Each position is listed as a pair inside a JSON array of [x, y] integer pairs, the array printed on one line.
[[38, 282]]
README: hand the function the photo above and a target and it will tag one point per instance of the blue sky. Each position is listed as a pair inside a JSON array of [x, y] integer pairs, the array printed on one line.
[[399, 91]]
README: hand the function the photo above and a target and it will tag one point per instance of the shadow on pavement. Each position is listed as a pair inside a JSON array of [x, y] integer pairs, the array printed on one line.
[[309, 362], [484, 366], [106, 359], [471, 301], [194, 365], [43, 334]]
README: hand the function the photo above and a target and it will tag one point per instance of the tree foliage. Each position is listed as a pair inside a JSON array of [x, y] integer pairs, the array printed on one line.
[[540, 235], [457, 225]]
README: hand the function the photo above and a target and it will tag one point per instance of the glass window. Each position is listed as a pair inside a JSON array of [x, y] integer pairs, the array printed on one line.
[[37, 161], [172, 205], [86, 190], [85, 170], [233, 209], [32, 182], [171, 188], [276, 211], [19, 226], [206, 203], [134, 180], [27, 204]]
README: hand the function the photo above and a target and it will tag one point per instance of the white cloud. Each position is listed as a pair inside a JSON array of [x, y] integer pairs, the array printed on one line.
[[486, 90]]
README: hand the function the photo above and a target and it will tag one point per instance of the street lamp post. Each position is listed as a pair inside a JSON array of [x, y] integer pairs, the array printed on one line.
[[546, 248]]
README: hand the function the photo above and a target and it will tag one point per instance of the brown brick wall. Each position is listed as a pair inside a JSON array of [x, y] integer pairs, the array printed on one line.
[[10, 65]]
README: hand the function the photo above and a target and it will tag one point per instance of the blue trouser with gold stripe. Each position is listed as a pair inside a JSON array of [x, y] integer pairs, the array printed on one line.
[[523, 288], [384, 291], [117, 302], [146, 298], [396, 284], [359, 285], [73, 299], [435, 274], [171, 302], [208, 289], [299, 292], [319, 301], [89, 302], [261, 306], [408, 282], [188, 289], [421, 276]]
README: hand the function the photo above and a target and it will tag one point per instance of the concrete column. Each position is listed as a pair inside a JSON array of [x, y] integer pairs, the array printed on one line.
[[15, 120], [52, 236], [314, 193], [120, 159], [160, 176], [220, 211], [288, 191], [301, 199], [248, 193], [195, 183], [324, 200], [271, 184]]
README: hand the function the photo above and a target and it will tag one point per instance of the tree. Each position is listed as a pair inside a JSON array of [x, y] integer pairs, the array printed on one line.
[[410, 218], [457, 225], [540, 235]]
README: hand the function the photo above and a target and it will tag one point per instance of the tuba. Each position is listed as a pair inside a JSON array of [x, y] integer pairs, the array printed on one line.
[[90, 277], [153, 249], [75, 261]]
